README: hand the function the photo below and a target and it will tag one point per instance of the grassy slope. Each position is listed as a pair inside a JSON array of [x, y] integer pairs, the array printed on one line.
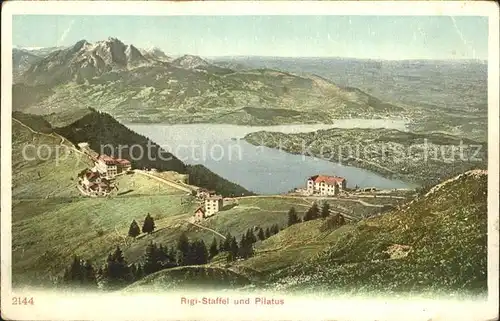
[[190, 277], [50, 219], [41, 178], [47, 231], [446, 231], [101, 130]]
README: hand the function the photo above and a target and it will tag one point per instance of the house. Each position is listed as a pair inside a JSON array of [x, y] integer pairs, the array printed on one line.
[[107, 166], [99, 189], [199, 214], [123, 165], [110, 167], [90, 178], [213, 204], [83, 146], [325, 185]]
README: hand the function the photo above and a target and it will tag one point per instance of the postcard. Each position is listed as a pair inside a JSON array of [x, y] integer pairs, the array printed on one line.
[[249, 160]]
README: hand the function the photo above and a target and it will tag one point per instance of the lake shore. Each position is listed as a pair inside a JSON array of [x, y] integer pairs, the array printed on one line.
[[260, 169], [419, 159]]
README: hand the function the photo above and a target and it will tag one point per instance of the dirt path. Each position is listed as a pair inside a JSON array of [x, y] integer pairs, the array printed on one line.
[[52, 135], [206, 228], [306, 198], [170, 183]]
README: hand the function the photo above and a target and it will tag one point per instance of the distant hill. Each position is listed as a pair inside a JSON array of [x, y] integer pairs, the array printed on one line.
[[21, 61], [420, 158], [144, 86], [155, 53]]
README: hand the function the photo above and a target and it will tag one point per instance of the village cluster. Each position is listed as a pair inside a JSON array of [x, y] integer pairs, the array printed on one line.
[[319, 185], [99, 180], [212, 203]]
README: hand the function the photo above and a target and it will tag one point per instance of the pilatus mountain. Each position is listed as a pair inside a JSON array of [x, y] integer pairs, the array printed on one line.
[[137, 85]]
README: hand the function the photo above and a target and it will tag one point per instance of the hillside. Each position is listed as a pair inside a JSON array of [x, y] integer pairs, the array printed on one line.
[[395, 250], [104, 134], [51, 221], [420, 158], [437, 243], [21, 61], [133, 85]]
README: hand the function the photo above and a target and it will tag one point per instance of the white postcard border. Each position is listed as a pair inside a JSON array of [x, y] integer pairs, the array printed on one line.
[[60, 307]]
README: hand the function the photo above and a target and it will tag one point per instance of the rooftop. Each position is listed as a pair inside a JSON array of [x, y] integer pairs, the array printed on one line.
[[330, 180]]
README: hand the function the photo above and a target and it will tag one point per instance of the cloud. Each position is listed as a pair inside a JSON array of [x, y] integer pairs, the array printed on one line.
[[65, 33]]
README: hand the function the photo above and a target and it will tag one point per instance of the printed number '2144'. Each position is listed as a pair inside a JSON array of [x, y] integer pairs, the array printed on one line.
[[22, 301]]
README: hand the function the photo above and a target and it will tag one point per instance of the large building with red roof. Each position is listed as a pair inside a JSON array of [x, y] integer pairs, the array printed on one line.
[[325, 185], [110, 166]]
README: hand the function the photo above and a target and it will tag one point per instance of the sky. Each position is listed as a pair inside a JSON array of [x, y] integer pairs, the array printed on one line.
[[364, 37]]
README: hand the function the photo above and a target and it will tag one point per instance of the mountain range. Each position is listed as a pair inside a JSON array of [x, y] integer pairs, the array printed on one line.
[[137, 85]]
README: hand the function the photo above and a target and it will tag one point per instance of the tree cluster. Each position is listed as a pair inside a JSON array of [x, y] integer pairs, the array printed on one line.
[[80, 273], [314, 212], [148, 226]]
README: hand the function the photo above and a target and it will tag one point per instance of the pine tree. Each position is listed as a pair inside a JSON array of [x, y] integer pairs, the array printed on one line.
[[139, 272], [89, 274], [134, 229], [246, 247], [172, 254], [233, 249], [261, 234], [243, 246], [213, 249], [151, 259], [116, 271], [80, 273], [268, 233], [275, 229], [227, 243], [149, 225], [325, 210], [75, 274], [183, 250], [312, 213], [133, 271], [250, 236], [198, 252], [292, 217]]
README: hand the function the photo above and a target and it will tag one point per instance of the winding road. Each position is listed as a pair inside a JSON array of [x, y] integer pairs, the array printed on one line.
[[165, 181]]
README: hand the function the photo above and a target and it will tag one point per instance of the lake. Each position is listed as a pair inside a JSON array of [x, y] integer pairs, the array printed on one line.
[[260, 169]]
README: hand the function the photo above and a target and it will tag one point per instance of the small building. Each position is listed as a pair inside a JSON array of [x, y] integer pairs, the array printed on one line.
[[83, 146], [199, 214], [213, 204], [90, 178], [107, 166], [99, 189], [123, 165], [325, 185]]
